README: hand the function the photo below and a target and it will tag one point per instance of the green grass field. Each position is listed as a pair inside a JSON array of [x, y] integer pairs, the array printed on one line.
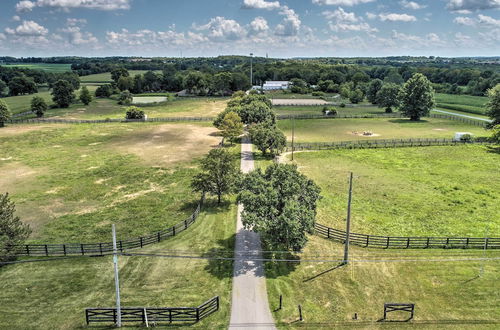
[[49, 67], [328, 130], [317, 110], [407, 191], [465, 103], [70, 182]]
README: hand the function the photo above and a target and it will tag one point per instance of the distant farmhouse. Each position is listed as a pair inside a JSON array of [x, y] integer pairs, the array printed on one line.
[[273, 85]]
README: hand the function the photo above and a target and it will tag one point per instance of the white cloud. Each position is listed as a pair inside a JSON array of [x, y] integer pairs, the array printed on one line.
[[347, 3], [411, 5], [487, 20], [461, 20], [397, 17], [340, 20], [220, 28], [260, 4], [430, 40], [370, 15], [491, 37], [259, 25], [76, 21], [152, 39], [25, 5], [2, 36], [290, 25], [471, 5], [28, 28], [16, 18]]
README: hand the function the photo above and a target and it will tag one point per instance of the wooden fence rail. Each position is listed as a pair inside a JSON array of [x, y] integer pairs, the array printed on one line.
[[153, 315], [75, 249], [388, 143], [403, 242], [469, 121]]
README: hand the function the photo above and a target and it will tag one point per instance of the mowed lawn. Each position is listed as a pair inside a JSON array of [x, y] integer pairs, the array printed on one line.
[[49, 67], [70, 182], [54, 295], [426, 191], [329, 130]]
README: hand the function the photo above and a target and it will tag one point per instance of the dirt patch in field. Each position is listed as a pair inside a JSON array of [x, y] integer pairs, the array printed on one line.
[[168, 143], [364, 133], [18, 129], [440, 129], [13, 174]]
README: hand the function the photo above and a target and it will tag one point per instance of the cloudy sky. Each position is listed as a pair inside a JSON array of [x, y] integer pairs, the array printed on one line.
[[284, 28]]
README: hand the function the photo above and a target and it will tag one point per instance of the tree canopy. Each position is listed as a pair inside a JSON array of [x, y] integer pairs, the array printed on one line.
[[493, 105], [12, 230], [388, 97], [85, 96], [62, 94], [231, 126], [219, 174], [280, 205], [417, 97], [4, 113], [38, 106], [268, 137]]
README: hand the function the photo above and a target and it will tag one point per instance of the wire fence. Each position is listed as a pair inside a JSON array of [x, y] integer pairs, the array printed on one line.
[[104, 248], [404, 242], [105, 121], [469, 121], [387, 143]]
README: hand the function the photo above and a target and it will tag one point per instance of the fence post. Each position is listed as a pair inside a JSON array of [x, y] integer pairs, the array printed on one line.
[[281, 302], [328, 232], [82, 249], [367, 240], [300, 313], [159, 238], [100, 247], [46, 250], [186, 224], [428, 239], [388, 238], [173, 231], [141, 241], [197, 314], [64, 249]]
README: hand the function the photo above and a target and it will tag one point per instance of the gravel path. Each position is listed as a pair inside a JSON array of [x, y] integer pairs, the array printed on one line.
[[249, 304]]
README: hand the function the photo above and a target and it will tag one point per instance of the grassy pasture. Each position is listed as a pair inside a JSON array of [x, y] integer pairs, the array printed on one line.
[[464, 103], [427, 191], [408, 191], [70, 182], [328, 130], [51, 295], [50, 67], [317, 110]]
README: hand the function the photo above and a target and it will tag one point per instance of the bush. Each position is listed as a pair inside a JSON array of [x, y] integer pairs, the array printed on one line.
[[38, 106], [125, 98], [135, 113], [12, 230], [466, 138], [104, 91], [342, 105], [318, 94]]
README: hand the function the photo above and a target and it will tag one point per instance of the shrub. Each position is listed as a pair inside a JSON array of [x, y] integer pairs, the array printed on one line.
[[12, 230], [329, 111], [125, 98], [318, 94], [342, 105], [135, 113], [38, 106], [466, 138], [104, 91]]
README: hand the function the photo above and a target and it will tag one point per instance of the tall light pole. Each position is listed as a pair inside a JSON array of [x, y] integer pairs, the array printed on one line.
[[117, 281], [251, 70]]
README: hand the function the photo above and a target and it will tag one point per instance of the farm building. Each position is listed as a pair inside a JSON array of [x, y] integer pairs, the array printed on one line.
[[275, 85]]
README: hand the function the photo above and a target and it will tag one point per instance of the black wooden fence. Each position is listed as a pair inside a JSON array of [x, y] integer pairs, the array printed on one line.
[[388, 143], [153, 315], [400, 242], [106, 247], [338, 116], [105, 121]]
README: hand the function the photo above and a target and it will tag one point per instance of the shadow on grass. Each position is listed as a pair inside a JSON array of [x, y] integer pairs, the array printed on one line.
[[408, 121], [493, 150], [323, 272], [258, 156]]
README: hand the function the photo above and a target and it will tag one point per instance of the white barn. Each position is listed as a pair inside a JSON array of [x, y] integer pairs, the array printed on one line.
[[275, 85]]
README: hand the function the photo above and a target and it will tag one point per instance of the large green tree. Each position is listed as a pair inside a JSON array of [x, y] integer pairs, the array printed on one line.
[[12, 230], [231, 126], [388, 97], [373, 88], [417, 97], [62, 94], [117, 73], [493, 105], [22, 85], [280, 205], [219, 174], [221, 83], [85, 96], [38, 106], [268, 137], [4, 113]]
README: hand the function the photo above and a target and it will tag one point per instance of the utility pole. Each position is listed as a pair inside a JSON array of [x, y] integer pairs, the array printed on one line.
[[251, 70], [293, 136], [348, 225], [481, 270], [117, 281]]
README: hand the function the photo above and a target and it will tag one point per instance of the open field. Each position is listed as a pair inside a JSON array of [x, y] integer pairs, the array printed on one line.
[[48, 295], [317, 110], [448, 295], [70, 182], [465, 103], [427, 191], [409, 191], [22, 103], [42, 66], [102, 108], [328, 130]]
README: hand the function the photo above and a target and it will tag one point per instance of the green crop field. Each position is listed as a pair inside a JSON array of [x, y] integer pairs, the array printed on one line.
[[435, 191], [328, 130], [464, 103], [49, 67]]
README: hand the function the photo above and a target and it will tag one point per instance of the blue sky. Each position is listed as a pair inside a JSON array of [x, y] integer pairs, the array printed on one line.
[[279, 28]]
